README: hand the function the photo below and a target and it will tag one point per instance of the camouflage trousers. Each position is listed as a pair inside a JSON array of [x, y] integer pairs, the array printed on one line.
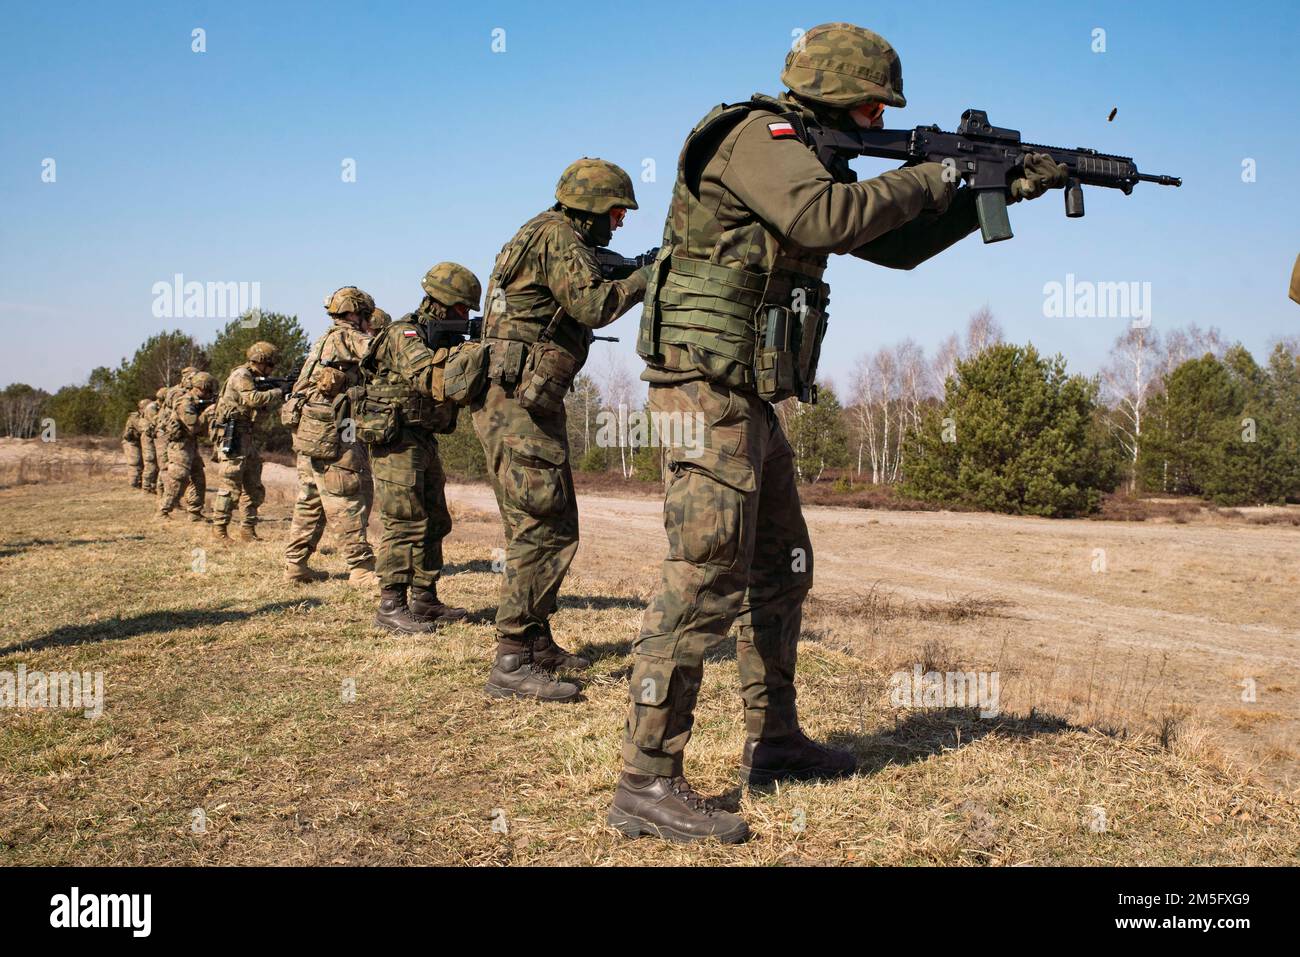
[[134, 460], [240, 479], [160, 458], [184, 475], [528, 461], [338, 492], [738, 551], [410, 491], [149, 479]]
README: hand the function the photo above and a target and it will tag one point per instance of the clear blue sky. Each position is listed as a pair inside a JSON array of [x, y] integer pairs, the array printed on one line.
[[225, 166]]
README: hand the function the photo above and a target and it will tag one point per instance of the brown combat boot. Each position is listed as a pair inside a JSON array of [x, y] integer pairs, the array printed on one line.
[[364, 579], [792, 757], [426, 607], [197, 517], [669, 808], [396, 617], [552, 657], [516, 675], [248, 533], [300, 572], [220, 534]]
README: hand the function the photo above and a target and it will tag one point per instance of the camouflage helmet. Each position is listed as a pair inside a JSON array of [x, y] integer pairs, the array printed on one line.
[[379, 319], [262, 352], [349, 299], [452, 284], [841, 65], [595, 186], [160, 394], [187, 376], [143, 404], [204, 383]]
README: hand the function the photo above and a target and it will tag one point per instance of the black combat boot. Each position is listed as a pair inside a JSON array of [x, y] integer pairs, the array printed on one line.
[[547, 654], [425, 606], [669, 808], [395, 616], [516, 675], [792, 757]]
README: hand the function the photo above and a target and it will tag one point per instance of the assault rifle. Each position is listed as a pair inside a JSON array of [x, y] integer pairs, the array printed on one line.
[[985, 156], [265, 383], [615, 266], [201, 404], [452, 331]]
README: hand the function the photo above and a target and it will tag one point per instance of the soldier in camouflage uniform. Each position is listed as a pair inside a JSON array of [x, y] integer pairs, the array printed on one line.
[[545, 297], [185, 424], [166, 403], [378, 320], [132, 437], [333, 469], [733, 321], [240, 469], [160, 440], [148, 413], [404, 376]]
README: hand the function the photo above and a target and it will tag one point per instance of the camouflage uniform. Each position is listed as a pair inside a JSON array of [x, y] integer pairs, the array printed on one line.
[[132, 436], [148, 414], [545, 277], [753, 217], [240, 471], [185, 475], [337, 484], [159, 439], [404, 376]]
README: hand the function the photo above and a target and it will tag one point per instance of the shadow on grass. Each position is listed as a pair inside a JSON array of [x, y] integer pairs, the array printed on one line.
[[153, 622], [462, 568], [920, 735], [600, 602], [9, 549]]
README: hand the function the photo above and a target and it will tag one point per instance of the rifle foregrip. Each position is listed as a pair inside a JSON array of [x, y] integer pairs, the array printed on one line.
[[991, 207]]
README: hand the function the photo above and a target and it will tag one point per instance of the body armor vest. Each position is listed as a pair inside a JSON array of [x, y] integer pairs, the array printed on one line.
[[727, 300], [385, 389], [506, 321]]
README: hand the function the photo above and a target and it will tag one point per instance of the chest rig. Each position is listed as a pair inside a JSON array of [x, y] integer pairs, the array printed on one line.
[[727, 299]]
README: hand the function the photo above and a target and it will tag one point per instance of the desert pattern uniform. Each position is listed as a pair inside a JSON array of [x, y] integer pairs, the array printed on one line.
[[240, 470], [186, 422], [133, 435], [545, 296], [334, 482], [166, 403], [159, 440], [148, 415], [733, 322], [404, 380]]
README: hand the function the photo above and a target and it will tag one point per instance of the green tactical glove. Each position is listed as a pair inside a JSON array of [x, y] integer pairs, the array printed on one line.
[[940, 184], [1040, 174]]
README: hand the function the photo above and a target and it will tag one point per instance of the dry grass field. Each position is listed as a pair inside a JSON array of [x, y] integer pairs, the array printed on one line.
[[248, 721]]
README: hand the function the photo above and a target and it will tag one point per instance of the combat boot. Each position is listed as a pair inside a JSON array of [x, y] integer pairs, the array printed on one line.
[[669, 808], [220, 534], [792, 757], [300, 572], [516, 675], [426, 606], [396, 617], [552, 657], [197, 517], [364, 579], [248, 533]]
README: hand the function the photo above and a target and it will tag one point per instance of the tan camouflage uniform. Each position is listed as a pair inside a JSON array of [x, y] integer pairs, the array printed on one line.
[[132, 437], [148, 413], [185, 474], [158, 427], [240, 473], [338, 490]]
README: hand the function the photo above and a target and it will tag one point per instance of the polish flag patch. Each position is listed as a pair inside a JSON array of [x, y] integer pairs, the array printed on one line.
[[410, 333], [780, 130]]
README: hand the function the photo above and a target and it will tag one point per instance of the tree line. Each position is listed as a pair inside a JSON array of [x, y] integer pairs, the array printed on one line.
[[982, 423]]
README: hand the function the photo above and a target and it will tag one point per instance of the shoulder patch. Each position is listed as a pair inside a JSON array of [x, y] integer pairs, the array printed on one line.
[[781, 129]]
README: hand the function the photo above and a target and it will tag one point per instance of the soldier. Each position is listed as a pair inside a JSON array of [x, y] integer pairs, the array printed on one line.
[[546, 295], [240, 467], [333, 468], [166, 403], [403, 373], [378, 320], [754, 215], [132, 434], [159, 440], [185, 423], [148, 412]]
